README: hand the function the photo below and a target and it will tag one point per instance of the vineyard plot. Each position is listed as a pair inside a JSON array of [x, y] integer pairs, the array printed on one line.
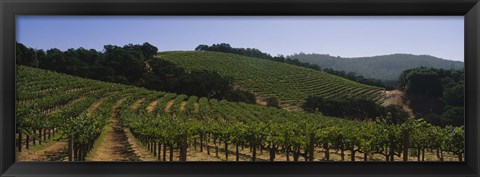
[[290, 84], [89, 118]]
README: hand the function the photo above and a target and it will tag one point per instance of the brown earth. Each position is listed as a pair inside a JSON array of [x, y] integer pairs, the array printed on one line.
[[137, 104], [397, 97], [118, 143], [169, 105], [319, 154], [56, 151], [261, 103], [94, 106], [152, 105]]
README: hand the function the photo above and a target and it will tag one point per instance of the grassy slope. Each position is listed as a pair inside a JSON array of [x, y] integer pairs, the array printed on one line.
[[290, 84], [27, 74]]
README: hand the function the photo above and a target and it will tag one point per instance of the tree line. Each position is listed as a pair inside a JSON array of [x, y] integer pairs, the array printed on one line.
[[355, 109], [133, 65], [252, 52], [436, 94], [360, 79]]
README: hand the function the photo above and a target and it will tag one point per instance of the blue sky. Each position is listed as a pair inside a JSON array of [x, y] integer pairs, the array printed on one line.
[[354, 36]]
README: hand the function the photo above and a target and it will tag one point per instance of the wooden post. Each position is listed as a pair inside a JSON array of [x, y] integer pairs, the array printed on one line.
[[226, 150], [406, 143], [34, 137], [171, 152], [272, 153], [216, 146], [352, 153], [40, 137], [327, 153], [20, 141], [312, 147], [45, 134], [236, 151], [254, 152], [296, 154], [70, 149], [201, 143], [84, 151], [164, 152], [441, 154], [155, 149], [80, 152], [195, 144], [342, 152], [423, 154], [208, 149], [75, 152], [288, 154], [183, 149], [27, 142], [305, 155], [159, 151]]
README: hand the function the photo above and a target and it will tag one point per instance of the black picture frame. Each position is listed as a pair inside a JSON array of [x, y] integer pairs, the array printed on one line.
[[470, 9]]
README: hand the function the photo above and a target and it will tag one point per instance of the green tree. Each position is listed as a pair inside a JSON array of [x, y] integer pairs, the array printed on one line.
[[272, 102]]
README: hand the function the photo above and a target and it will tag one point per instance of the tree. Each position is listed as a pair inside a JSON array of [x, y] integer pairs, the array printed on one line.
[[127, 63], [398, 114], [201, 47], [54, 60], [240, 96], [272, 102], [453, 115], [162, 75], [436, 94], [149, 51], [25, 56], [454, 94]]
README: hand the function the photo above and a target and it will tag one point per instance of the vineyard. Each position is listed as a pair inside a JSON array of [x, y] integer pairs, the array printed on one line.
[[92, 116], [289, 83]]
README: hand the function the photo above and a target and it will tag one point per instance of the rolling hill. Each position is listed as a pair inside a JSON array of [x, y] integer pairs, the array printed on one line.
[[113, 122], [384, 67], [290, 84], [95, 111]]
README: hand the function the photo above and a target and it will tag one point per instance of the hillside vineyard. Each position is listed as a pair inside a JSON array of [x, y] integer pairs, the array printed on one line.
[[174, 127], [290, 84]]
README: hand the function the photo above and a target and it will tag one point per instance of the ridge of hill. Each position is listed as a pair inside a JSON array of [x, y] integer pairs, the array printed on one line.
[[383, 67]]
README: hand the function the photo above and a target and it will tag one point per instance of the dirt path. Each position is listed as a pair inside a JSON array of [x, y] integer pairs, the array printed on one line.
[[91, 110], [169, 105], [261, 102], [152, 105], [118, 143], [397, 97], [137, 103], [57, 151]]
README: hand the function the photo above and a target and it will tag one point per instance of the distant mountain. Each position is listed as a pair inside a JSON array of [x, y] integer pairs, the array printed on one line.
[[384, 67]]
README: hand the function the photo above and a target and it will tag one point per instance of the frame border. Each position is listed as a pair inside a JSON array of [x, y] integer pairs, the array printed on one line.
[[470, 9]]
